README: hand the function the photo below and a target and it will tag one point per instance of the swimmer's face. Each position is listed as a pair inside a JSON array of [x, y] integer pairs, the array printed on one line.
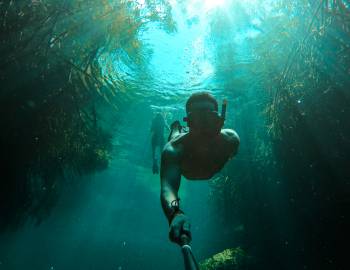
[[204, 119], [202, 106]]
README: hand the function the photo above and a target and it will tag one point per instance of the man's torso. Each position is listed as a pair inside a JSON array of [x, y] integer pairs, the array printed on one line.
[[200, 160]]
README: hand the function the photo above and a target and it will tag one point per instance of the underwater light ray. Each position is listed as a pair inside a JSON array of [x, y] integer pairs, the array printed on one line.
[[210, 4]]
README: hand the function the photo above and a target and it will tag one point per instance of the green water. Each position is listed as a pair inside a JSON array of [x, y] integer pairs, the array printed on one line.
[[81, 83]]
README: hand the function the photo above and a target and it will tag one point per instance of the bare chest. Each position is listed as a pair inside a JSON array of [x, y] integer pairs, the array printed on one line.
[[202, 162]]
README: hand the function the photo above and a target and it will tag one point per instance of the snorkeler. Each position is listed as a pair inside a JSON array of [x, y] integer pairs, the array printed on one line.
[[157, 130], [197, 155]]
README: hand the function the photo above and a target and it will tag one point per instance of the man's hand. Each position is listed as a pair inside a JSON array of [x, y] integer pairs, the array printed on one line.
[[179, 226]]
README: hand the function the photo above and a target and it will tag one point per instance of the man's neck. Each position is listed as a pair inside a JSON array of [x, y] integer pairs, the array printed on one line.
[[200, 138]]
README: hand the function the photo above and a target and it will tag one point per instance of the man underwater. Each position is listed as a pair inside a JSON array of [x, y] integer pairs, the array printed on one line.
[[197, 155]]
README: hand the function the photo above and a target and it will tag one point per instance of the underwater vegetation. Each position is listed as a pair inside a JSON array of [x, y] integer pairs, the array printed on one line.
[[229, 259], [284, 199], [57, 100], [289, 187]]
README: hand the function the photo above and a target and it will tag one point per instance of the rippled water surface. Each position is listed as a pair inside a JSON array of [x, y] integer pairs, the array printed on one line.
[[114, 220]]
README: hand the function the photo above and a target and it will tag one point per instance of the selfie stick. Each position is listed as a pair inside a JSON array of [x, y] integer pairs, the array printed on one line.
[[189, 259]]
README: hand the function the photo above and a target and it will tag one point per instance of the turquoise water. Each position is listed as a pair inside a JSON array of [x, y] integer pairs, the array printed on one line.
[[283, 67]]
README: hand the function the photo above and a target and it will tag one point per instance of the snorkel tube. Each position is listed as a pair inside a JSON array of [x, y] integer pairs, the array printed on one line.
[[223, 109]]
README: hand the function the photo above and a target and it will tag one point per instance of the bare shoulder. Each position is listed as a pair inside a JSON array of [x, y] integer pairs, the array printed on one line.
[[230, 135], [231, 140], [173, 149]]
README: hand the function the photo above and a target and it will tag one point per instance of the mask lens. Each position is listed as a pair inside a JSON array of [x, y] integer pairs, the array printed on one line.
[[204, 118]]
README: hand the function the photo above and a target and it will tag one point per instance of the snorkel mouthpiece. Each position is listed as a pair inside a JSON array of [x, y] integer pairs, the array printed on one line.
[[223, 109]]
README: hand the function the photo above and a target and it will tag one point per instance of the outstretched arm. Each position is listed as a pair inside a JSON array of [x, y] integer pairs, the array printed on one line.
[[170, 178], [170, 183]]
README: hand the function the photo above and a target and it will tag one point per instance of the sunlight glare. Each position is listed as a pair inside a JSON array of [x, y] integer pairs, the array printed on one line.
[[211, 4]]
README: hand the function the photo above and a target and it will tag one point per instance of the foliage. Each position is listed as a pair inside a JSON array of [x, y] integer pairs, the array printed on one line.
[[55, 95], [229, 259], [308, 114], [289, 184]]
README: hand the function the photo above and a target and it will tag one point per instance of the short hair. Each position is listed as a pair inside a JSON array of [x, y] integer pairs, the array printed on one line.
[[201, 96]]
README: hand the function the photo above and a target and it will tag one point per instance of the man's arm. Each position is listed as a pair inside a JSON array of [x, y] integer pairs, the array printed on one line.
[[170, 182], [170, 177]]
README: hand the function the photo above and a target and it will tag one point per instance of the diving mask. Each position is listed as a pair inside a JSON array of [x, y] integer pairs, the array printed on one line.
[[205, 120]]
